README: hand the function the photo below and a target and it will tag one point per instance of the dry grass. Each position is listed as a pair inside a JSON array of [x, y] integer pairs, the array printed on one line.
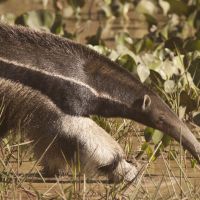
[[161, 179]]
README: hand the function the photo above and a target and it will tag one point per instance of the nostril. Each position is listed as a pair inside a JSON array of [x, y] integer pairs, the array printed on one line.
[[161, 117], [161, 120]]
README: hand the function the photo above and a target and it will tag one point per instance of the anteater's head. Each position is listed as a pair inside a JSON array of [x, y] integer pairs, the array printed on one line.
[[152, 111], [123, 95]]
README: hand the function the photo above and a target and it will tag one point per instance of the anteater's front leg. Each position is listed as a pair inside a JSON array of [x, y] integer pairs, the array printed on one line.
[[83, 142]]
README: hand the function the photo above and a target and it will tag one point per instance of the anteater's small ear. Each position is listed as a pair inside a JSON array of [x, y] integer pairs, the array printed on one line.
[[146, 102]]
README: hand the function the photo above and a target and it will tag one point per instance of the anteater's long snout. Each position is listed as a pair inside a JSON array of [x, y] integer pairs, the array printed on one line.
[[182, 134], [158, 115]]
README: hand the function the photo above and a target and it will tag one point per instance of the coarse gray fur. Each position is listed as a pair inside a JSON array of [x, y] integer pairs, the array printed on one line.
[[57, 136], [81, 82]]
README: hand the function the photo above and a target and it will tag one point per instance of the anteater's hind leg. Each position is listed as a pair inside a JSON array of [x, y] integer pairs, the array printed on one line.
[[36, 115]]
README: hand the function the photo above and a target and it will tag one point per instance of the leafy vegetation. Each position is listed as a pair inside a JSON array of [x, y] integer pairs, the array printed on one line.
[[164, 55]]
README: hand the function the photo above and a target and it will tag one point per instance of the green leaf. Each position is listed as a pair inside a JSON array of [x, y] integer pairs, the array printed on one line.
[[148, 133], [100, 49], [164, 31], [143, 72], [181, 112], [148, 44], [187, 101], [194, 70], [196, 118], [150, 20], [76, 3], [197, 20], [193, 163], [193, 45], [148, 150], [174, 43], [127, 62], [124, 39], [156, 79], [179, 7], [165, 6], [157, 136], [108, 1], [8, 18], [169, 86], [40, 19], [116, 8], [166, 140], [144, 146], [146, 7], [57, 27]]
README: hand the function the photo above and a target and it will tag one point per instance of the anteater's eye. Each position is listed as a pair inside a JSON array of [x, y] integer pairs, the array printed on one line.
[[161, 120]]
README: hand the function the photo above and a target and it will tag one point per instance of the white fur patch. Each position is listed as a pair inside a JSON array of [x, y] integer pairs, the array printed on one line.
[[99, 146]]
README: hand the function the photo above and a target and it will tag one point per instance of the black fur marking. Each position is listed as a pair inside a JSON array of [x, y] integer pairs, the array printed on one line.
[[59, 56]]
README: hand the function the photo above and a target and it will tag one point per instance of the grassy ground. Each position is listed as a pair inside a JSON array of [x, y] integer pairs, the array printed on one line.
[[169, 177]]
